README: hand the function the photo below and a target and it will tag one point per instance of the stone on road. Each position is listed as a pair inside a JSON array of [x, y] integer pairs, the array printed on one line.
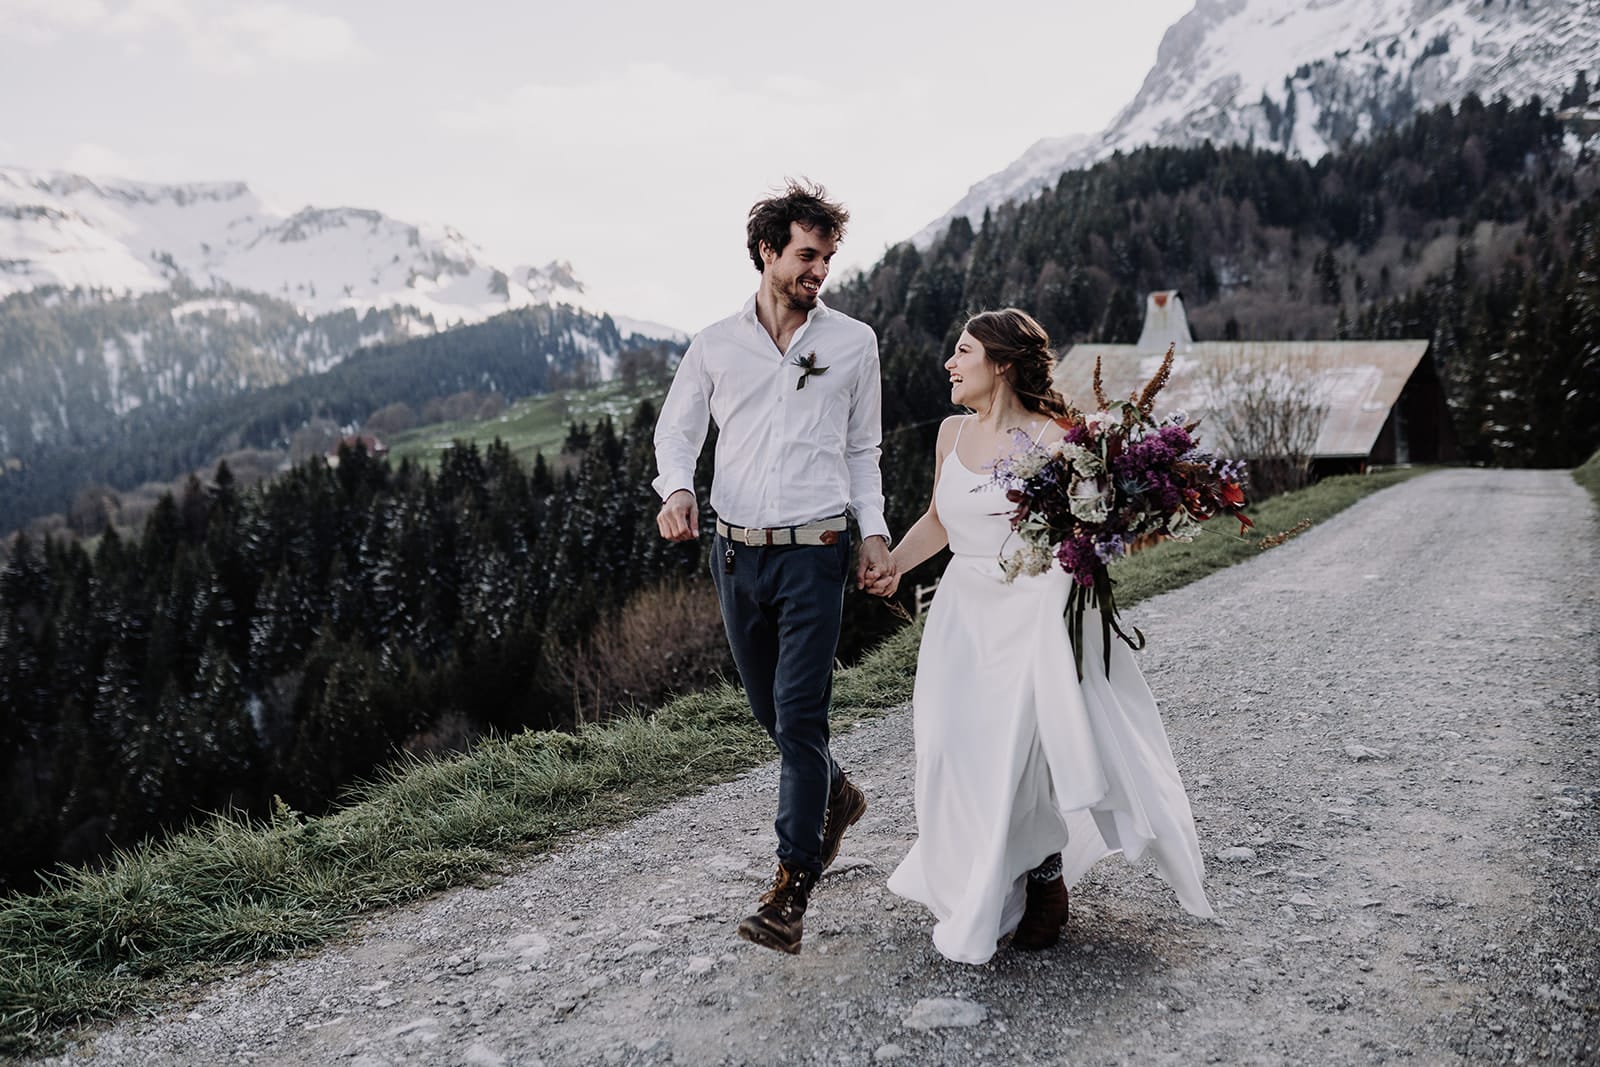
[[934, 1012]]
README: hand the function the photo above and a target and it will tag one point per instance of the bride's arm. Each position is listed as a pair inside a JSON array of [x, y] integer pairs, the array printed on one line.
[[927, 535]]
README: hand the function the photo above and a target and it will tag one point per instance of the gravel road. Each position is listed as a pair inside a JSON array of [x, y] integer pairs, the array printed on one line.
[[1389, 728]]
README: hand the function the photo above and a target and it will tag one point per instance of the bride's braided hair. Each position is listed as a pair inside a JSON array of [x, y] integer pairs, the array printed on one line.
[[1019, 346]]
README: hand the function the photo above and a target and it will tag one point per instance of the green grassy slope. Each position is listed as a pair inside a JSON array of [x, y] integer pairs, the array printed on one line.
[[535, 424]]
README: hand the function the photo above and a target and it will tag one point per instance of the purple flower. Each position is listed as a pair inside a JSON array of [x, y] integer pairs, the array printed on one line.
[[1109, 548], [1077, 556], [1177, 438]]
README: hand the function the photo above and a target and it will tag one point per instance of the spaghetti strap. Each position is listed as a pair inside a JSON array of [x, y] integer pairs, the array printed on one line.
[[961, 426], [1042, 429]]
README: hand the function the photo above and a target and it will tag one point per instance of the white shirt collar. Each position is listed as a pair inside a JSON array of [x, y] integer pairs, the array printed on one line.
[[749, 309]]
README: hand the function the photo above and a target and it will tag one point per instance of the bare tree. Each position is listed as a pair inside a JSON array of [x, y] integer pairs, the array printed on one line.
[[667, 639], [467, 404], [1269, 411], [315, 438], [93, 506], [390, 419]]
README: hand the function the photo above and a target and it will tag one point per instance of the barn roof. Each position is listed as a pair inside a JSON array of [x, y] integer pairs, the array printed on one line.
[[1360, 381]]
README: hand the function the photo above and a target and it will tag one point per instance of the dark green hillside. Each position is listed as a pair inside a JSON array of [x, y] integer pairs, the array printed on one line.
[[73, 360], [289, 639], [521, 352], [1475, 227]]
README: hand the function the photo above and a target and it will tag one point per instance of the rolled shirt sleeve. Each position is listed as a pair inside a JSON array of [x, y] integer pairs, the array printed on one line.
[[863, 440], [682, 425]]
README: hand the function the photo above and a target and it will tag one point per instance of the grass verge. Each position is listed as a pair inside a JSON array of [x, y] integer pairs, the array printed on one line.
[[531, 425], [94, 944], [1588, 476]]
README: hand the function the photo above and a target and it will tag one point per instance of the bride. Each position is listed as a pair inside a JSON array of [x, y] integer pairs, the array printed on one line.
[[1025, 776]]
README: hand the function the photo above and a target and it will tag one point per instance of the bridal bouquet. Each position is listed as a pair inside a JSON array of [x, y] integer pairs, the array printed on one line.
[[1118, 475]]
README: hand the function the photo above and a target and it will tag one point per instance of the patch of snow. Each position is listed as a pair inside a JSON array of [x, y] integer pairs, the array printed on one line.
[[1301, 77], [232, 310], [120, 238]]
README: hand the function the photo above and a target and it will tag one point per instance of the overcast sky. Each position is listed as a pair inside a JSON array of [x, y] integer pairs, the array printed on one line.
[[629, 138]]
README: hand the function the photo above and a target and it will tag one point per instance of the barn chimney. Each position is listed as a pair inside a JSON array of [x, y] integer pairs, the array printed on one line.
[[1165, 323]]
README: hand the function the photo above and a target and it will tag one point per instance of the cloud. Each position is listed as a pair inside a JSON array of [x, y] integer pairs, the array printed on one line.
[[219, 35], [640, 170], [649, 105], [296, 36], [98, 160], [43, 21]]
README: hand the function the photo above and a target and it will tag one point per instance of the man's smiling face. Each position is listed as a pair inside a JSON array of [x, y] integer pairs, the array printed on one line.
[[797, 274]]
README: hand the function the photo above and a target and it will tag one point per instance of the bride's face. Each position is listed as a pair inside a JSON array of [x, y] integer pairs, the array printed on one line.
[[973, 378]]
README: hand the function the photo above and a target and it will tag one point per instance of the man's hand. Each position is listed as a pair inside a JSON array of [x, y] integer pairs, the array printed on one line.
[[679, 518], [874, 568]]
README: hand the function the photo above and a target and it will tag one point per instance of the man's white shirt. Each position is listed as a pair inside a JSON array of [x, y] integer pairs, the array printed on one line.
[[785, 456]]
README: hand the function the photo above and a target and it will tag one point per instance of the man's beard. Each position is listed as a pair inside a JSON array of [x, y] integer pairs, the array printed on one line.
[[798, 298]]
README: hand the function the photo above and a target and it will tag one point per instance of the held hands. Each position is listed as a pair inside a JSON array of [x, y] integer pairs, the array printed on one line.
[[876, 570], [679, 519]]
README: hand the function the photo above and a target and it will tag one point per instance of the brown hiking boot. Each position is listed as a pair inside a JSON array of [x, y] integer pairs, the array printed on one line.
[[779, 921], [846, 805], [1044, 915]]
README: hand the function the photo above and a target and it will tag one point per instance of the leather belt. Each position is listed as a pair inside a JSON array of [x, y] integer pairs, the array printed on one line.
[[821, 532]]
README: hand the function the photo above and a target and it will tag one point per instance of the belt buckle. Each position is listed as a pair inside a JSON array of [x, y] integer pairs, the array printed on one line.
[[754, 538]]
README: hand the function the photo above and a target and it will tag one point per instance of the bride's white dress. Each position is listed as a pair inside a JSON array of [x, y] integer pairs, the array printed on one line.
[[1016, 758]]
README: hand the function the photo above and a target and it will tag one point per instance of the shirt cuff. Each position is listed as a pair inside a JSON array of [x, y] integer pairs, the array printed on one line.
[[667, 484], [873, 524]]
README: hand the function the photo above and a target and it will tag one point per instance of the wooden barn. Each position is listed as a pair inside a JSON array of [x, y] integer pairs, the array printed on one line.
[[1374, 403]]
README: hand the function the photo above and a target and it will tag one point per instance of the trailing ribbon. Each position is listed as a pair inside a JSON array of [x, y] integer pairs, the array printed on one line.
[[1078, 604]]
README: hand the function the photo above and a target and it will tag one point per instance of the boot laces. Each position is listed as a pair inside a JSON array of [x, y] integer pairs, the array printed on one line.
[[786, 886]]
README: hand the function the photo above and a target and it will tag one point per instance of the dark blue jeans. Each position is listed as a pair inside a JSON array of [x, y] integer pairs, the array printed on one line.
[[781, 608]]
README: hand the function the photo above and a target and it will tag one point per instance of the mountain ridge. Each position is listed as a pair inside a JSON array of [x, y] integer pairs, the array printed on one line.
[[123, 237], [1303, 78]]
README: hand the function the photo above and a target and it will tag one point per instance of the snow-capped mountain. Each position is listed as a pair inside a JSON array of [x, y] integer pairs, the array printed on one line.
[[1302, 76], [122, 295], [128, 238]]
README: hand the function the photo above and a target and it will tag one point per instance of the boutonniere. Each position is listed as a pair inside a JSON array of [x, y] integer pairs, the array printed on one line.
[[808, 366]]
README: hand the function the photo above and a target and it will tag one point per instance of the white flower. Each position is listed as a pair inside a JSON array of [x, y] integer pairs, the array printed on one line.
[[1181, 526], [1087, 501], [1028, 463], [1100, 421], [1011, 566], [1083, 462]]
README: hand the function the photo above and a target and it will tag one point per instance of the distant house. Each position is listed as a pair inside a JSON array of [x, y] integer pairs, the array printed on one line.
[[1382, 401], [374, 447]]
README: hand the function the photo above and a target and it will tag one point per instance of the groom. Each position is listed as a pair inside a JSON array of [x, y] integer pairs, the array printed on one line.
[[793, 387]]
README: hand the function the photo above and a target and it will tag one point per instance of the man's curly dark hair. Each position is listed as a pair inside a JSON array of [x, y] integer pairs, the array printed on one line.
[[803, 202]]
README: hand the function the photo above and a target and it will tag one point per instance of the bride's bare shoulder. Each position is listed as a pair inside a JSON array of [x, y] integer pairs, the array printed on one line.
[[1051, 433], [948, 429]]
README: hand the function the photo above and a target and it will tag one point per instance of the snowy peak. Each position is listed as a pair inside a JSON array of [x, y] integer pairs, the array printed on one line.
[[1303, 76], [1035, 169], [124, 237]]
